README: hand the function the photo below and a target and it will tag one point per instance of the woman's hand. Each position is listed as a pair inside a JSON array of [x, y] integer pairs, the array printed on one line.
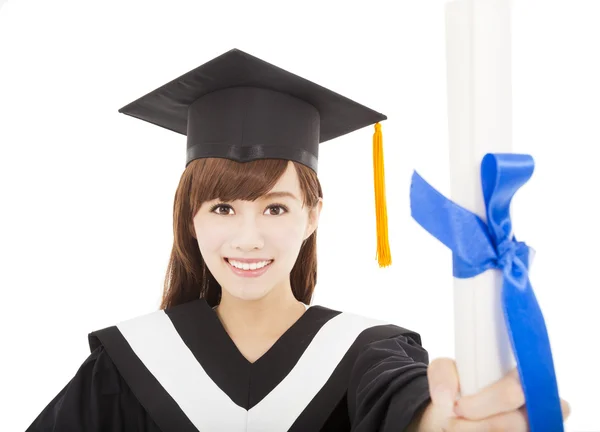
[[498, 407]]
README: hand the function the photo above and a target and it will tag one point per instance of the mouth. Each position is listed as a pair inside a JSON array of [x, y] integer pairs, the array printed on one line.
[[248, 269]]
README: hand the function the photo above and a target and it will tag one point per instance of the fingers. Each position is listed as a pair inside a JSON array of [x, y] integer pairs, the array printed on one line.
[[503, 396], [443, 382], [514, 421]]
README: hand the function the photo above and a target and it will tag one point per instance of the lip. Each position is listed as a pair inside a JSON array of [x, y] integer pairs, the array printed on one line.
[[248, 273], [248, 260]]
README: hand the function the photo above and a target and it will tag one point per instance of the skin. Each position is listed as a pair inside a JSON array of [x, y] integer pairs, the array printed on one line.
[[497, 407], [257, 311]]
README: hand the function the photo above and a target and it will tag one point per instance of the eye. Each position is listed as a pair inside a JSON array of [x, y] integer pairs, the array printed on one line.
[[219, 207], [270, 209], [277, 206]]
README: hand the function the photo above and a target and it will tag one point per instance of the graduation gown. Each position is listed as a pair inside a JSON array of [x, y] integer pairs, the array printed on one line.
[[177, 370]]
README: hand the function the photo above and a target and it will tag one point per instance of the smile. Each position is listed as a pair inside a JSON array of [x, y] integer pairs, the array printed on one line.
[[246, 269]]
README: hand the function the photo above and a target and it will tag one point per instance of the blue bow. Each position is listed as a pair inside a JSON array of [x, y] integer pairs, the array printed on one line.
[[477, 247]]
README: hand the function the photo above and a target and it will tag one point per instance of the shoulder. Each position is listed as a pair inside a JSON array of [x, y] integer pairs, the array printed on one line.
[[97, 375], [388, 380], [143, 324], [82, 403], [373, 332]]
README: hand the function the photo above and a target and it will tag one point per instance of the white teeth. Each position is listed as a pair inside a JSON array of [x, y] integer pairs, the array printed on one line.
[[246, 266]]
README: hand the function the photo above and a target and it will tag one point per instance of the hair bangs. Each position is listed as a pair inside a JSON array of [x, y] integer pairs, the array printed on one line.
[[227, 180]]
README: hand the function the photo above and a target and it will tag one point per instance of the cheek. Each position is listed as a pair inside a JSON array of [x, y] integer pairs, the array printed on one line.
[[287, 237], [211, 240]]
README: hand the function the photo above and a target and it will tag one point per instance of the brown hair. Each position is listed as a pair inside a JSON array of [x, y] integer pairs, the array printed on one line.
[[206, 179]]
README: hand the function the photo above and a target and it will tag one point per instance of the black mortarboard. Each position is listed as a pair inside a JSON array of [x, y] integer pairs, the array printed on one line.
[[242, 108]]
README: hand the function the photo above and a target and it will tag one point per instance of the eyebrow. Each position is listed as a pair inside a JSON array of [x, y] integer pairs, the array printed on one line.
[[280, 195]]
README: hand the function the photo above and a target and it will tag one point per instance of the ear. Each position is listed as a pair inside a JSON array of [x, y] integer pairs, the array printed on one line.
[[313, 219]]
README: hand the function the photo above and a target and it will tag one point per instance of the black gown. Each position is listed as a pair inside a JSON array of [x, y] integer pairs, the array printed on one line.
[[179, 371]]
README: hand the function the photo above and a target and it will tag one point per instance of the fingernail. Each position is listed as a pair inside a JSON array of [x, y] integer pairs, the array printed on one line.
[[443, 397]]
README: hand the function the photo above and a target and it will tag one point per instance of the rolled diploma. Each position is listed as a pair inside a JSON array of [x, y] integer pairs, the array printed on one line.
[[478, 56]]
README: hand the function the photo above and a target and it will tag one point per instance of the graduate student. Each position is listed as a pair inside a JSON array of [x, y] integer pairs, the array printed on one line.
[[236, 344]]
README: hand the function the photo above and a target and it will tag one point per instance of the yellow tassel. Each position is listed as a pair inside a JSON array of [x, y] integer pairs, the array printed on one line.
[[383, 255]]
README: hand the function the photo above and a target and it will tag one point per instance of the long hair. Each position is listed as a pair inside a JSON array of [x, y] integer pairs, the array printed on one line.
[[206, 179]]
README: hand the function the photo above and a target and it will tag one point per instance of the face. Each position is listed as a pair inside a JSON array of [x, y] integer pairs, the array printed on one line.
[[270, 229]]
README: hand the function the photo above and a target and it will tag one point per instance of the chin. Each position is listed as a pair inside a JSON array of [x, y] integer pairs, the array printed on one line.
[[248, 293]]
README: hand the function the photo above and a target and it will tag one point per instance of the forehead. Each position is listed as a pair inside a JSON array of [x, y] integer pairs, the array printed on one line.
[[288, 181]]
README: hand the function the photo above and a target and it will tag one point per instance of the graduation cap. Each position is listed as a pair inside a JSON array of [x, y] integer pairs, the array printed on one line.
[[242, 108]]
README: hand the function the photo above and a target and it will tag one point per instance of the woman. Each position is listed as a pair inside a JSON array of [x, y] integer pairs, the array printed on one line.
[[235, 345]]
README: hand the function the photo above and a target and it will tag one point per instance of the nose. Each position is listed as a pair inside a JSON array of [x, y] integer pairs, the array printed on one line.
[[247, 235]]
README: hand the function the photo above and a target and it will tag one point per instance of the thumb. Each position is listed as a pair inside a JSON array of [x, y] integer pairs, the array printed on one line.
[[443, 383]]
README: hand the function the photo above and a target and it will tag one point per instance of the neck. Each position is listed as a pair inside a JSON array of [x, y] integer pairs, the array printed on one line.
[[269, 316]]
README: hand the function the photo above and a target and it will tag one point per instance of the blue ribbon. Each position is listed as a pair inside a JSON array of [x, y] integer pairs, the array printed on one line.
[[477, 247]]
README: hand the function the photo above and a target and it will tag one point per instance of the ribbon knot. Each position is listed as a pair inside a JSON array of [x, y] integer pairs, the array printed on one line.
[[477, 247], [512, 253], [507, 252]]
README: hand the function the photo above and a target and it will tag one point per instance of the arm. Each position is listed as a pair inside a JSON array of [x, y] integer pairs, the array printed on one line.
[[389, 386], [425, 420], [91, 400], [417, 424], [69, 410]]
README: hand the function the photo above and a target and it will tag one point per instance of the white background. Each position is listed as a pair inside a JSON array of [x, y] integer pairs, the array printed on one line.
[[87, 193]]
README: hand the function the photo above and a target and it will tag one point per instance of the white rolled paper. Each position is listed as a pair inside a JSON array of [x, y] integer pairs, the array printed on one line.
[[478, 50]]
